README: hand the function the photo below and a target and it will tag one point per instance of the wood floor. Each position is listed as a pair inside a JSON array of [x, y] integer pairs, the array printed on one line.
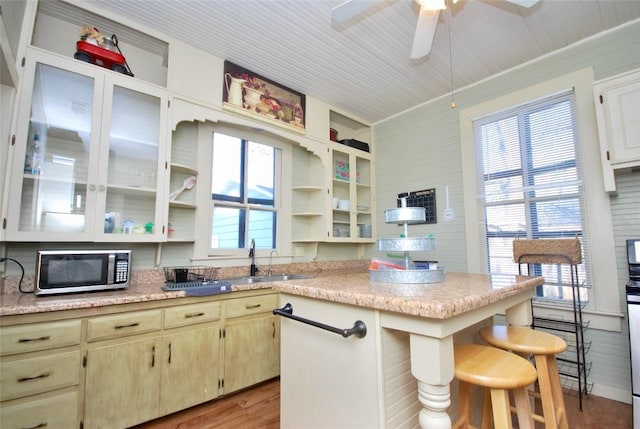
[[259, 408]]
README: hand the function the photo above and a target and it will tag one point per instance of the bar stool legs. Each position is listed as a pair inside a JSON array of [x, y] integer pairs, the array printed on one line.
[[544, 347], [499, 372]]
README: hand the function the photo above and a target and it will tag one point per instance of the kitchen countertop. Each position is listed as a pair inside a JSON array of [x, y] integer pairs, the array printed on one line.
[[459, 293], [27, 303]]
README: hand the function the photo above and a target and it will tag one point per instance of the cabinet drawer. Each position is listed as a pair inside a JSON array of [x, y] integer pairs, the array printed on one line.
[[192, 314], [41, 336], [58, 412], [122, 325], [37, 375], [251, 305]]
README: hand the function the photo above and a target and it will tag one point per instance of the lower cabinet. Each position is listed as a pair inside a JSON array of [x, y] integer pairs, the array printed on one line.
[[251, 352], [40, 370], [122, 384], [145, 364], [139, 380], [251, 341], [114, 368], [52, 412], [190, 371]]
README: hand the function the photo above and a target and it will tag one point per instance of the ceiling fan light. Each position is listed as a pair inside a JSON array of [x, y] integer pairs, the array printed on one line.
[[432, 4]]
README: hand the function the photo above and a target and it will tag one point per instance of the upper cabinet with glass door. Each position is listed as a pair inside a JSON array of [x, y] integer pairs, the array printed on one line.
[[93, 154], [352, 175]]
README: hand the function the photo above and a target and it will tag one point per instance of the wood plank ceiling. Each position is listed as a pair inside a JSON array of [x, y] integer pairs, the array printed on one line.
[[363, 66]]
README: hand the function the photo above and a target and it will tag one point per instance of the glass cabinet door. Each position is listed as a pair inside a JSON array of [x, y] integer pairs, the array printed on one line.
[[58, 153], [130, 183], [88, 159], [352, 196]]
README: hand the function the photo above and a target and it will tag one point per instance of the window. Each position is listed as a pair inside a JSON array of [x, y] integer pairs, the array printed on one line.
[[244, 193], [531, 185]]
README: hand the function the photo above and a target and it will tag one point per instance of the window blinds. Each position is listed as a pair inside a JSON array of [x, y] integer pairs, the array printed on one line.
[[531, 183]]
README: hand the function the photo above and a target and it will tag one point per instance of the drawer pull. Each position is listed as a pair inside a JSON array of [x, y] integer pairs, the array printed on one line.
[[190, 315], [30, 340], [250, 307], [35, 377], [41, 425], [130, 325]]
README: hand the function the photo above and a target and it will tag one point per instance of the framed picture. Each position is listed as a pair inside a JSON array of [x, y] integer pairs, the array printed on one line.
[[248, 93]]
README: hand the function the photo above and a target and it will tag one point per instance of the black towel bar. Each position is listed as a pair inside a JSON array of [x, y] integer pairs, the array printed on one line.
[[359, 328]]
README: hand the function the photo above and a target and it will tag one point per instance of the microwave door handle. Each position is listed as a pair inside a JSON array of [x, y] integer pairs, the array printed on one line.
[[111, 270]]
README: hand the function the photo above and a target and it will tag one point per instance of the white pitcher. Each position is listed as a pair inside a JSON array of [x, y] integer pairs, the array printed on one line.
[[234, 89]]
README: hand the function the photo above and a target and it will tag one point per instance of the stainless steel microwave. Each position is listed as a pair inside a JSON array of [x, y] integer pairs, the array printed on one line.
[[66, 271]]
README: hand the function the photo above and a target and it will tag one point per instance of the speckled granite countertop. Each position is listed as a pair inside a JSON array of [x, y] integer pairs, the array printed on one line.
[[459, 293], [146, 287]]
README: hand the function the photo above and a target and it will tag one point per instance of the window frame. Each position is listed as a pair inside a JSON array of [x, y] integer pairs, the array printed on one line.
[[245, 203], [525, 192], [282, 200], [604, 308]]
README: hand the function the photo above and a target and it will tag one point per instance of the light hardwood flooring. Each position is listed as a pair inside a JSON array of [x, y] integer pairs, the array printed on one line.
[[259, 408]]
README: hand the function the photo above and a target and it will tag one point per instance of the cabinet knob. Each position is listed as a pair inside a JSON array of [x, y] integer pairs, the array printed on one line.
[[92, 187], [101, 188]]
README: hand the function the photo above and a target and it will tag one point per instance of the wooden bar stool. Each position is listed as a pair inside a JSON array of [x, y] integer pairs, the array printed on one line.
[[544, 347], [498, 372]]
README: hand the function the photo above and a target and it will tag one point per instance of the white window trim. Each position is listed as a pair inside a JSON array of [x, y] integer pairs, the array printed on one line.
[[603, 310], [231, 257]]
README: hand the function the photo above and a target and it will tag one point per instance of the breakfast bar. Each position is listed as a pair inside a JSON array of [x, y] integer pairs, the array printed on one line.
[[371, 381]]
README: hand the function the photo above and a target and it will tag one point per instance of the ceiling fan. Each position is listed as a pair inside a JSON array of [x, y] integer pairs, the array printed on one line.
[[427, 19]]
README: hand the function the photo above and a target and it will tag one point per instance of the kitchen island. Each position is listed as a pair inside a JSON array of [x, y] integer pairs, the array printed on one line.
[[329, 381]]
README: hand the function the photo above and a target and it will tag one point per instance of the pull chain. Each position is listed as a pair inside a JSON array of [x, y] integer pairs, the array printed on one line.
[[453, 102]]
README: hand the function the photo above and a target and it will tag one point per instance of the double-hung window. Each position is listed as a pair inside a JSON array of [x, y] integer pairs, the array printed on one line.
[[531, 185], [245, 193]]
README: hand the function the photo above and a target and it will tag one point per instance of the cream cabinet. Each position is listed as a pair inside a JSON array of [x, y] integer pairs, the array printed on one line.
[[333, 192], [40, 369], [351, 186], [122, 383], [120, 367], [88, 155], [139, 378], [252, 341], [617, 101], [351, 195], [191, 366]]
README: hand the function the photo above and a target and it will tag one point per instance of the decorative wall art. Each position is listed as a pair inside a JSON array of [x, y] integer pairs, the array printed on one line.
[[250, 94]]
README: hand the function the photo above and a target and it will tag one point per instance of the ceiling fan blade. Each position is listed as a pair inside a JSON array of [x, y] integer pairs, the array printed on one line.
[[425, 31], [524, 3], [350, 8]]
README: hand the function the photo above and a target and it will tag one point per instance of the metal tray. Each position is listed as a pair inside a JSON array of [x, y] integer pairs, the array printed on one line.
[[408, 244], [407, 276], [405, 214]]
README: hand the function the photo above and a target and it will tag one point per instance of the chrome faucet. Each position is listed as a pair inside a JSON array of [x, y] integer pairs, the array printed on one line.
[[252, 255], [270, 271]]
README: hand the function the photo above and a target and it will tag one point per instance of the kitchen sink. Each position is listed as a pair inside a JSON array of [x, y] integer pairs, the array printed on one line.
[[243, 280], [262, 279], [281, 277]]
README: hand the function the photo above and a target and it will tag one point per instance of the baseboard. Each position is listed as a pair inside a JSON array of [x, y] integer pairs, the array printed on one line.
[[612, 393]]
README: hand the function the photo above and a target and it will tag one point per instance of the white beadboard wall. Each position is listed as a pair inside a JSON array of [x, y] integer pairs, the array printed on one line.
[[420, 149]]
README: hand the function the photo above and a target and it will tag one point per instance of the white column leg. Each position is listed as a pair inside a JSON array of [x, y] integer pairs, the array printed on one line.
[[432, 366], [519, 315]]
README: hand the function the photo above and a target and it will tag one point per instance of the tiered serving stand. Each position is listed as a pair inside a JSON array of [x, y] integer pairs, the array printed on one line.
[[406, 216]]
